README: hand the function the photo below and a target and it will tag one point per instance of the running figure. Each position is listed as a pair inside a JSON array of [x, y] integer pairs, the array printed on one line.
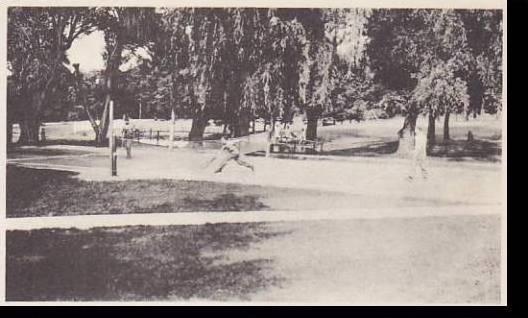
[[230, 151], [419, 154]]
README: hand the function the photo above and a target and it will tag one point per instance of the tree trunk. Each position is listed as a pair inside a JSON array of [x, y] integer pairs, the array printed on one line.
[[9, 136], [241, 124], [476, 93], [269, 136], [409, 124], [93, 123], [113, 63], [446, 125], [431, 129], [198, 127], [29, 131], [30, 122], [311, 127]]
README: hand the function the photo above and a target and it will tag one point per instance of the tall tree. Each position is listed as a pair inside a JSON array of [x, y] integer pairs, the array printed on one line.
[[38, 38], [424, 52], [484, 77], [442, 87], [125, 29], [328, 31]]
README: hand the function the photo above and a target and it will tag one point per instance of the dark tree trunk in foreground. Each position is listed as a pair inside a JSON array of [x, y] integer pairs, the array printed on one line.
[[111, 81], [29, 132], [101, 134], [9, 136], [311, 128], [241, 124], [431, 129], [409, 124], [30, 121], [476, 94], [446, 125], [199, 124]]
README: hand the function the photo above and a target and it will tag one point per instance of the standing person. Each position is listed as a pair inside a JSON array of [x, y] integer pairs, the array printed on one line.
[[419, 154], [230, 151], [128, 136]]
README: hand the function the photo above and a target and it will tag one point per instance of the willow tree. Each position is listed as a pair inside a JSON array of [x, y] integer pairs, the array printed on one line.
[[193, 48], [125, 29], [38, 38], [245, 30], [331, 36], [273, 89]]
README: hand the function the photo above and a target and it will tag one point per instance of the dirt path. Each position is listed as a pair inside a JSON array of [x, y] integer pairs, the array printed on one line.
[[450, 181]]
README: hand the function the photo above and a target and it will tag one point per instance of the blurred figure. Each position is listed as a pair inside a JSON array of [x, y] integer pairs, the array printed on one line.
[[419, 155], [230, 151], [128, 135]]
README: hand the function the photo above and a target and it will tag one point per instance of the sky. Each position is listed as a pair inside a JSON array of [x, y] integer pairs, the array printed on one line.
[[88, 50]]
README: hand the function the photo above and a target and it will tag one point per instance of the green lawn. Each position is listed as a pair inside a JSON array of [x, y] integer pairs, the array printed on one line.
[[454, 259], [37, 192], [134, 263]]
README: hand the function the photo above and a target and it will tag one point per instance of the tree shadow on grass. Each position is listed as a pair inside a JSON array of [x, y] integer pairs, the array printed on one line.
[[38, 192], [454, 150], [137, 263], [374, 149], [73, 142], [220, 203], [17, 152], [24, 186], [462, 150], [228, 201]]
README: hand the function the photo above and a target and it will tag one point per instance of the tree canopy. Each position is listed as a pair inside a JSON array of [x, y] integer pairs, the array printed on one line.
[[238, 64]]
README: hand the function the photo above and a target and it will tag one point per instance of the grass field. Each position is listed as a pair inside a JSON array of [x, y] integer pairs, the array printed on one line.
[[486, 127], [393, 259], [434, 260], [133, 263]]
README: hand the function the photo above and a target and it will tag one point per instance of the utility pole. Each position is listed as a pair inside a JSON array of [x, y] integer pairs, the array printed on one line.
[[140, 107], [111, 140], [173, 119], [272, 122]]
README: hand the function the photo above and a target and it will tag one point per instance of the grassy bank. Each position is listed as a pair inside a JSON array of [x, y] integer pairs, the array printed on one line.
[[135, 263], [37, 192]]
